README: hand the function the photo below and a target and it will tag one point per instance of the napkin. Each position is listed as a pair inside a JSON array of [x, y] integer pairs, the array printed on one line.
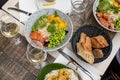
[[27, 5], [31, 6], [95, 73]]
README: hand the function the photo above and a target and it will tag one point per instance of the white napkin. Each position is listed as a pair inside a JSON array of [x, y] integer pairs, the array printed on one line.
[[95, 73], [27, 5], [31, 6]]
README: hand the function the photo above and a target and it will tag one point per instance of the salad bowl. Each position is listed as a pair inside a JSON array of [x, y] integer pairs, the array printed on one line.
[[32, 26], [107, 14]]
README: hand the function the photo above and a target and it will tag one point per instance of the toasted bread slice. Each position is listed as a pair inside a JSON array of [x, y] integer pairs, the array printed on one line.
[[87, 56], [84, 49], [87, 44], [80, 48], [98, 53], [82, 38], [99, 42]]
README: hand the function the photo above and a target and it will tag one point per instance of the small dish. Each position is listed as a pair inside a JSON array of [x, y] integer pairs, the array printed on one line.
[[91, 31]]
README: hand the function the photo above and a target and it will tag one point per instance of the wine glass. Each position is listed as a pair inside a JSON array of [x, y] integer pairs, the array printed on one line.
[[9, 27], [36, 56], [77, 14]]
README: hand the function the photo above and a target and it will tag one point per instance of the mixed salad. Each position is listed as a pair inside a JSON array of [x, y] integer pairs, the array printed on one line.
[[108, 13], [50, 30]]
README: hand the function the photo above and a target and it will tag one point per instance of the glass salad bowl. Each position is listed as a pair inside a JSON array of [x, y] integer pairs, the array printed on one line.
[[50, 27]]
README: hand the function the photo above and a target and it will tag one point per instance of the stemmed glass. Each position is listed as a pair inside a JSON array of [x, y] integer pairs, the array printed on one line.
[[36, 56], [78, 12], [9, 27]]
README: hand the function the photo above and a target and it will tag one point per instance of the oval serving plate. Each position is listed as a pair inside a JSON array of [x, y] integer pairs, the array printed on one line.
[[48, 68], [91, 31]]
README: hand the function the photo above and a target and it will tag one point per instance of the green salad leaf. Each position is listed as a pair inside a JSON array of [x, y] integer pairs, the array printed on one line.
[[115, 9], [35, 27], [117, 24], [104, 6], [40, 23], [51, 27], [110, 1]]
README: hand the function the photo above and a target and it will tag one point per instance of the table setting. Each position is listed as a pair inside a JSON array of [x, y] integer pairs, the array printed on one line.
[[52, 34]]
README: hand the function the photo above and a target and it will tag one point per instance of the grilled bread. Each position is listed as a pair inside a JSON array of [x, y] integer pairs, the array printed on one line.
[[98, 53], [84, 48], [99, 42]]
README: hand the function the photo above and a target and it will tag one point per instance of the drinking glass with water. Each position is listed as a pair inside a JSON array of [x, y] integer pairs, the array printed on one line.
[[78, 12]]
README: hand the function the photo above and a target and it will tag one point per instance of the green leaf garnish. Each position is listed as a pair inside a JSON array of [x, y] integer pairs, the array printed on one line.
[[104, 6], [51, 28], [40, 23]]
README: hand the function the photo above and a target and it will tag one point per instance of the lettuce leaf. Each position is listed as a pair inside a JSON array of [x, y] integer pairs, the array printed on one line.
[[51, 27], [104, 6], [40, 23]]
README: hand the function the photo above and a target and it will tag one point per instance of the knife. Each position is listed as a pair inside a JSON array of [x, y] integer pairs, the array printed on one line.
[[19, 10], [71, 59]]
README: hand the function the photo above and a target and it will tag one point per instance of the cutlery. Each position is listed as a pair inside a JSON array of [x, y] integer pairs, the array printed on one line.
[[19, 10], [71, 59]]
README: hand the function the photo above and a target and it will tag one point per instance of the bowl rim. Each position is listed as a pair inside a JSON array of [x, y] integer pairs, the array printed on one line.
[[55, 48], [95, 4]]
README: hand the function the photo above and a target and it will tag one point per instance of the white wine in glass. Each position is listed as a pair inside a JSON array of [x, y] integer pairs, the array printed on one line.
[[9, 28], [36, 56]]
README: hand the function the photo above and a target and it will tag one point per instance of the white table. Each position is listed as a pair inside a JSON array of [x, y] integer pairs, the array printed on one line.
[[101, 67]]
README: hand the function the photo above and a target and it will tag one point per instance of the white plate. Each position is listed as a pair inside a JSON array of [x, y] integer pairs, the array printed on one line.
[[62, 5]]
